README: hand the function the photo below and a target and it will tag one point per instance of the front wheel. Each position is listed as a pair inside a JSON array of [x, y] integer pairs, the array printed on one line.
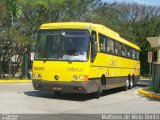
[[99, 92]]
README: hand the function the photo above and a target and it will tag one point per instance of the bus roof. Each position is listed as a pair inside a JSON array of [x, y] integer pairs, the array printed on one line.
[[84, 25]]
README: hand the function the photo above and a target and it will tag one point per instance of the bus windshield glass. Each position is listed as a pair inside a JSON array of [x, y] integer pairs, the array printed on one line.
[[66, 45]]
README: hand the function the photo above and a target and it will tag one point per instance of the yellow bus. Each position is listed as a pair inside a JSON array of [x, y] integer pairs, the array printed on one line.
[[80, 57]]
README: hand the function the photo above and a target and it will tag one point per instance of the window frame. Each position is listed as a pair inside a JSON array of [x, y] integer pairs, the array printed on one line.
[[123, 46]]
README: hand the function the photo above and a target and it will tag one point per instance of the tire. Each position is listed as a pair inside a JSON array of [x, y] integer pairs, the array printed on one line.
[[131, 84], [126, 87], [99, 92], [57, 93], [134, 84]]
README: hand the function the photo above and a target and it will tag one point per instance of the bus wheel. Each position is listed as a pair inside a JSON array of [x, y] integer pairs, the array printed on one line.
[[57, 93], [98, 93], [127, 85], [131, 83]]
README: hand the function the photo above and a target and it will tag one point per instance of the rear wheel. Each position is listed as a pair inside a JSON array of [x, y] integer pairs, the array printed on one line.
[[127, 85], [131, 84], [133, 81], [57, 93]]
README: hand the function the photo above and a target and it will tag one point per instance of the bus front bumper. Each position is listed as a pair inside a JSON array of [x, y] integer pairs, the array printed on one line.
[[72, 87]]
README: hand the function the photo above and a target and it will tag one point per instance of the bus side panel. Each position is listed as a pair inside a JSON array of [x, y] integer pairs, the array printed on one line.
[[116, 69]]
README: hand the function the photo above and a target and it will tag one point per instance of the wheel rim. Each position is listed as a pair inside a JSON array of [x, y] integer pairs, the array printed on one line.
[[131, 83], [127, 83]]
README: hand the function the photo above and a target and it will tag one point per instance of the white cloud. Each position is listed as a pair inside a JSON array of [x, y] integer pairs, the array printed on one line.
[[146, 2], [142, 2]]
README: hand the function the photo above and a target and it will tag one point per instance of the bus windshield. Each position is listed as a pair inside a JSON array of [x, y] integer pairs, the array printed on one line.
[[62, 45]]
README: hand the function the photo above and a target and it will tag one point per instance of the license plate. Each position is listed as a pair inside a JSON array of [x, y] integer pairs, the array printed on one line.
[[57, 88]]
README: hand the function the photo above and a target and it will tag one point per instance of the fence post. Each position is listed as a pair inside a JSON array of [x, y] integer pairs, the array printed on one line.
[[9, 64], [153, 76], [0, 62], [25, 66]]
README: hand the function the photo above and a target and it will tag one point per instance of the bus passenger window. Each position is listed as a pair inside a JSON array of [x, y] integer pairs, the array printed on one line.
[[128, 51], [106, 44], [102, 43], [124, 50], [116, 51], [110, 45], [137, 55], [117, 48], [133, 53]]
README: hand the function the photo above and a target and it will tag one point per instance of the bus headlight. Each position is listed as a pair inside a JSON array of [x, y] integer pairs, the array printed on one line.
[[75, 77], [81, 77], [37, 76]]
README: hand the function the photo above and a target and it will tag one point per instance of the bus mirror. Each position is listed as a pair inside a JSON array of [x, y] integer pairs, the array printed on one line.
[[94, 51], [94, 45]]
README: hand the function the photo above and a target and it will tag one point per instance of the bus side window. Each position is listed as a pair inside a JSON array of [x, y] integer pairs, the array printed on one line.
[[128, 51], [111, 45], [102, 43], [137, 55], [117, 48], [124, 50], [133, 53], [106, 44]]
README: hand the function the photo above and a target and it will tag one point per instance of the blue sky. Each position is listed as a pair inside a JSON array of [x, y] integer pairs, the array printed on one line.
[[147, 2]]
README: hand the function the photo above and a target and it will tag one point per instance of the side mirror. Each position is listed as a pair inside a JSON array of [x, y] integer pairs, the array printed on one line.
[[94, 45], [94, 51]]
